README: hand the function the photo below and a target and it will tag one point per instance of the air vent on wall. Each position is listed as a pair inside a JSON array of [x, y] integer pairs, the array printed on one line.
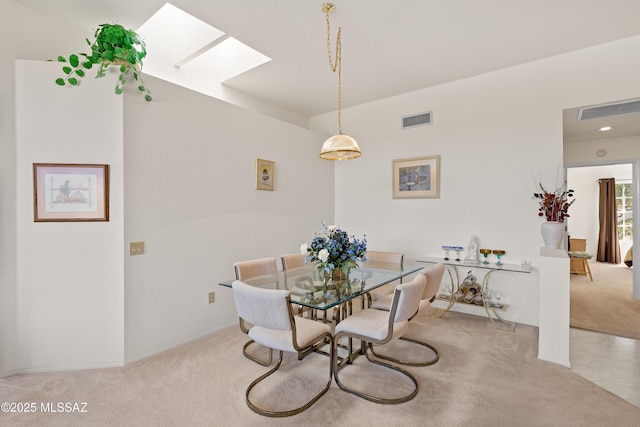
[[415, 120], [617, 109]]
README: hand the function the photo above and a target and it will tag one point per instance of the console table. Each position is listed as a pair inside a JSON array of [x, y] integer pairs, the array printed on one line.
[[492, 309]]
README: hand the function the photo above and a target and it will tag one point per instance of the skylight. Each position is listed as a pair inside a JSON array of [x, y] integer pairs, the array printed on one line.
[[193, 54]]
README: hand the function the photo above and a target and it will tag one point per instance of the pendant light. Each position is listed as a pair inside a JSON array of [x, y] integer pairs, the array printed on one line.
[[339, 146]]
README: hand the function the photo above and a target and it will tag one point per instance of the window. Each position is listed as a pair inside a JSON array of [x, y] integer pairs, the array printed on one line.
[[624, 204]]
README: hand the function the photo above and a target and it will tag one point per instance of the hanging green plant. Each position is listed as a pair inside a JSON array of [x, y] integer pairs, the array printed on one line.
[[113, 46]]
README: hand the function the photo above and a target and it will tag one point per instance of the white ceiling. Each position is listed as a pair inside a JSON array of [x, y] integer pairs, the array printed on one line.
[[388, 48]]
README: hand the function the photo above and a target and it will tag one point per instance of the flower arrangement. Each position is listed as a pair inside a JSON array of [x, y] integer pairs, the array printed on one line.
[[554, 206], [332, 249]]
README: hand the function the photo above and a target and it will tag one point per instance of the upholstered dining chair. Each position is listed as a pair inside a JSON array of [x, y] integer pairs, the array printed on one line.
[[387, 260], [295, 260], [273, 325], [433, 276], [257, 269], [380, 327]]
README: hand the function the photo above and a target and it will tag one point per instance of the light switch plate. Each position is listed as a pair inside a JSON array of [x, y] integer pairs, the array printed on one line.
[[136, 248]]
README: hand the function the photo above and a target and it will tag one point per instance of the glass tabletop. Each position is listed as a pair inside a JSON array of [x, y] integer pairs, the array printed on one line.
[[306, 285], [476, 264]]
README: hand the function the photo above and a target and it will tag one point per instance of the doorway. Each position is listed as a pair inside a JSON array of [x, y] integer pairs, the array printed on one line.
[[588, 156]]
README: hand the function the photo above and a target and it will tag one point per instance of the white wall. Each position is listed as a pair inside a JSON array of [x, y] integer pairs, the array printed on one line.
[[69, 297], [17, 43], [495, 133], [190, 196]]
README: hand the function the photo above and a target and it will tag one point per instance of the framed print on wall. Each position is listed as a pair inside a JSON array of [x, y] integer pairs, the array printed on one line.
[[70, 192], [416, 178], [265, 178]]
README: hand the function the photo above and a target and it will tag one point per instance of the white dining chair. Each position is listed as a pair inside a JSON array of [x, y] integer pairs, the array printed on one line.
[[433, 277], [388, 260], [293, 260], [256, 268], [273, 325], [380, 327], [264, 270]]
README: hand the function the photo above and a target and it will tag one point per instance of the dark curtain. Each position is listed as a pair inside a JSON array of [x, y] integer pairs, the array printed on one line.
[[608, 246]]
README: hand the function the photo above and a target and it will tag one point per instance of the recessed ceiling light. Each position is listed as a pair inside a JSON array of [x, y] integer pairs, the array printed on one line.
[[605, 128]]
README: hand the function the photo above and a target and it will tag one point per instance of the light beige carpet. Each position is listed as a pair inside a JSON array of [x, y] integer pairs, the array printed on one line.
[[606, 304], [485, 377]]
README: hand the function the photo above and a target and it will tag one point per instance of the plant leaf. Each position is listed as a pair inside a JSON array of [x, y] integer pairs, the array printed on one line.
[[141, 88], [67, 70], [60, 81], [148, 98], [80, 72], [62, 59], [87, 65], [73, 81], [73, 60], [118, 90]]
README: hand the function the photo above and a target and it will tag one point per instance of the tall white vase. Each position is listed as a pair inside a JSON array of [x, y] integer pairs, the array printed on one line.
[[552, 234]]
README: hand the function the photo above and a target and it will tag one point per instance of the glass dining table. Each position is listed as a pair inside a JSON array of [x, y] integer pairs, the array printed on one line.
[[330, 305], [307, 287]]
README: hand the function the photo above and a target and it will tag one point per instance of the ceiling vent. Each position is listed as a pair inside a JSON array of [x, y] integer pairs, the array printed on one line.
[[618, 109], [415, 120]]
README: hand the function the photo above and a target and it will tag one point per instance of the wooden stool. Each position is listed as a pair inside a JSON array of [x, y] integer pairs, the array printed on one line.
[[584, 256]]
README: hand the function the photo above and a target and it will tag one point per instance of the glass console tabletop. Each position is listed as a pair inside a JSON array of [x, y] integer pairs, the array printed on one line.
[[306, 285], [476, 264]]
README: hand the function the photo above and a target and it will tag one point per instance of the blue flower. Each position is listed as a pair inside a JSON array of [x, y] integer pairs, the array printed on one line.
[[332, 249]]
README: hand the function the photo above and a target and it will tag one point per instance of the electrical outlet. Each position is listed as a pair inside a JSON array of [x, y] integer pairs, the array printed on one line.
[[136, 248], [212, 297]]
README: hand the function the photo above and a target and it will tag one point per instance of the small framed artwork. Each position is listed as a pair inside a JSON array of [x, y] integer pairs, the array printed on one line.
[[70, 192], [416, 178], [265, 178]]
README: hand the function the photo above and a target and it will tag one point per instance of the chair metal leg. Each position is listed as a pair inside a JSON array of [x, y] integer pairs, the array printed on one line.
[[269, 413], [403, 362], [370, 397], [255, 359]]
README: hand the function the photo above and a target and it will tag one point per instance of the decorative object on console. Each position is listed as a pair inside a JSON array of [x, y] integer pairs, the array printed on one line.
[[472, 252], [469, 291], [499, 253], [485, 253], [339, 146], [456, 249], [554, 206], [113, 45]]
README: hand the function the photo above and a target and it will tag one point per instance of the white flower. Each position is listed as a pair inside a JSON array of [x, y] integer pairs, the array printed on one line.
[[332, 228], [303, 248], [323, 255]]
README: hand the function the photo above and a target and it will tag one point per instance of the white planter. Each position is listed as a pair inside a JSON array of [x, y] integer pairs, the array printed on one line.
[[552, 234]]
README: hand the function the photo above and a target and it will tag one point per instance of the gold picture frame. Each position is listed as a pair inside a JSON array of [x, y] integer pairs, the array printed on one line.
[[416, 178], [265, 175], [70, 192]]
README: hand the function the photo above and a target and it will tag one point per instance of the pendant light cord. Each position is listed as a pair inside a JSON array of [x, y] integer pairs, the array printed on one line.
[[336, 65]]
